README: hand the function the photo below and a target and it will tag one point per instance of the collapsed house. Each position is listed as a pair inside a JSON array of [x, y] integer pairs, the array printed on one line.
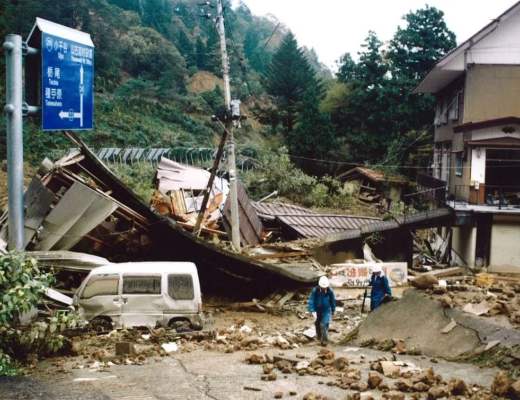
[[373, 186], [78, 204], [78, 207]]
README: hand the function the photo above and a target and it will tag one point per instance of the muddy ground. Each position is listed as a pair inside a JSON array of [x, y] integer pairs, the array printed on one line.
[[245, 354], [210, 375]]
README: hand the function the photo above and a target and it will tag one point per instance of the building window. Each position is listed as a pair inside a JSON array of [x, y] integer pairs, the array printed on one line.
[[459, 161], [453, 108]]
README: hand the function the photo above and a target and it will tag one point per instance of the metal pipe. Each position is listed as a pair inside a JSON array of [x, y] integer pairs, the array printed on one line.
[[13, 46]]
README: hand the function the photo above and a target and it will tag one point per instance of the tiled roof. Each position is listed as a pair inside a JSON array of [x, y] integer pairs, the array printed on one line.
[[318, 225]]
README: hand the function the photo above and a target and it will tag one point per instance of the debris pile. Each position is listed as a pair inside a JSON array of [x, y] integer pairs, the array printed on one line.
[[418, 323], [482, 295], [391, 379], [78, 204]]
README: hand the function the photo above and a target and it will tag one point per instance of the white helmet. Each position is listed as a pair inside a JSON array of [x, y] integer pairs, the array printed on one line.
[[377, 268], [324, 282]]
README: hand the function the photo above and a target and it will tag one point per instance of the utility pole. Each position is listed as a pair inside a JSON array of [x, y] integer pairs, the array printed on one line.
[[235, 227], [13, 47]]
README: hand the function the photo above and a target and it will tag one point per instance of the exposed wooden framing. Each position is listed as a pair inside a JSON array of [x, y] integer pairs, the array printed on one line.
[[211, 180]]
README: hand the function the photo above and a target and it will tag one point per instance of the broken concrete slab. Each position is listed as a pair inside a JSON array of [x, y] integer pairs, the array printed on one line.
[[448, 328], [477, 309]]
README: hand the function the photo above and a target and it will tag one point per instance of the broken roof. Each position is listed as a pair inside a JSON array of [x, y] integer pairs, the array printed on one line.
[[322, 225], [373, 175], [270, 211]]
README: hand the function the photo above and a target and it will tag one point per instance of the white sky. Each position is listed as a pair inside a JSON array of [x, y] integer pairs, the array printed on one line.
[[334, 27]]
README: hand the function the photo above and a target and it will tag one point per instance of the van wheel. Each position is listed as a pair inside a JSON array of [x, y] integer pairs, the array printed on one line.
[[180, 325], [101, 324]]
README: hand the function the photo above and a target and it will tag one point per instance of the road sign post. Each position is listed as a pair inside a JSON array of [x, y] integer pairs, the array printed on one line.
[[61, 82], [14, 123]]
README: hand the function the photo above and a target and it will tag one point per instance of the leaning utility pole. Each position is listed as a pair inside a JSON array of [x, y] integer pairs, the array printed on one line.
[[235, 227]]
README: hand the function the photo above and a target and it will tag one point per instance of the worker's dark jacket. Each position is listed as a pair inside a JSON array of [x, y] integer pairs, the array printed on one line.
[[323, 303], [380, 289]]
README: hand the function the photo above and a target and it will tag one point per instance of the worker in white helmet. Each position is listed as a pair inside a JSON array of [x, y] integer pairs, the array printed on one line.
[[381, 292], [322, 305]]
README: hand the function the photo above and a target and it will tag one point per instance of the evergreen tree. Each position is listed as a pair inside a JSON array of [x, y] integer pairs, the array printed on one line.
[[415, 49], [313, 135], [288, 76], [201, 56], [213, 58], [185, 47]]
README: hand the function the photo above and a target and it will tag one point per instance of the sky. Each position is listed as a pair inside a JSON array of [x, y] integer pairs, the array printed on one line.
[[335, 27]]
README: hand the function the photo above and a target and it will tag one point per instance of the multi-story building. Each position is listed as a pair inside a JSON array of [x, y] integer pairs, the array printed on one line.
[[477, 141]]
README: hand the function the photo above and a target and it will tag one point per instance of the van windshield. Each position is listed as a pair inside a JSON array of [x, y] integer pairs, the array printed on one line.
[[180, 287], [101, 285]]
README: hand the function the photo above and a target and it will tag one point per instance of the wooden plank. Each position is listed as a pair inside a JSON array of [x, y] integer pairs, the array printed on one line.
[[288, 296], [280, 255], [250, 224], [443, 273]]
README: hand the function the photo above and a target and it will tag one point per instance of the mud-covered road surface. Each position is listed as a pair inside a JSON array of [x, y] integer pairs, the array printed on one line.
[[208, 375]]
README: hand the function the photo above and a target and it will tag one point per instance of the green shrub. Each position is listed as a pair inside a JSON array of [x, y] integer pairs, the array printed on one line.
[[22, 285], [138, 177], [276, 172]]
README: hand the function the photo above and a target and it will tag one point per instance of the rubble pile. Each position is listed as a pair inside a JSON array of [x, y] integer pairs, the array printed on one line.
[[390, 379], [489, 297]]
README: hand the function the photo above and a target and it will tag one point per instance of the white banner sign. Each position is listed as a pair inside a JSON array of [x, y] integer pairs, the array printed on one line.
[[358, 275]]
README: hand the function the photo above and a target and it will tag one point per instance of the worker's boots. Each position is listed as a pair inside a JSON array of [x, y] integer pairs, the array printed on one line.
[[324, 340]]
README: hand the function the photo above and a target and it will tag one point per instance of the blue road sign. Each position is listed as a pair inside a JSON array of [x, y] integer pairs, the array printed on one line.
[[67, 84]]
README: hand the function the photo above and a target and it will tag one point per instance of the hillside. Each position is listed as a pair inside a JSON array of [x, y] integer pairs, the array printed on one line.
[[157, 64]]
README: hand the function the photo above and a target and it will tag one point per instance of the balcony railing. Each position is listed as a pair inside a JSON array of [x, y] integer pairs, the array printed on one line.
[[500, 196]]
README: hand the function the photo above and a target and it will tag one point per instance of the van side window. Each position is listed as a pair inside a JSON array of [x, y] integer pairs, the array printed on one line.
[[101, 285], [141, 284], [180, 287]]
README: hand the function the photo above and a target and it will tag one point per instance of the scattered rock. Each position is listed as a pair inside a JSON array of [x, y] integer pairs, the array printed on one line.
[[438, 392], [501, 384], [515, 390], [125, 349], [278, 395], [393, 395], [390, 370], [420, 387], [374, 380], [457, 387], [255, 359], [404, 385]]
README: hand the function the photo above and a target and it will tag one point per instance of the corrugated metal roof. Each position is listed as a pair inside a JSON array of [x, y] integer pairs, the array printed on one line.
[[320, 225], [272, 210]]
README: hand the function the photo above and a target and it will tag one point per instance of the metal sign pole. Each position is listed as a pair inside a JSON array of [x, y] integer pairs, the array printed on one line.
[[14, 123]]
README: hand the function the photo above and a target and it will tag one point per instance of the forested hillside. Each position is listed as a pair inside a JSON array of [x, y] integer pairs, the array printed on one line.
[[158, 83], [157, 66]]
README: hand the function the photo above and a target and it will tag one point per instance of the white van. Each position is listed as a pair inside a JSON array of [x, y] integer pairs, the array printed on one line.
[[141, 294]]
